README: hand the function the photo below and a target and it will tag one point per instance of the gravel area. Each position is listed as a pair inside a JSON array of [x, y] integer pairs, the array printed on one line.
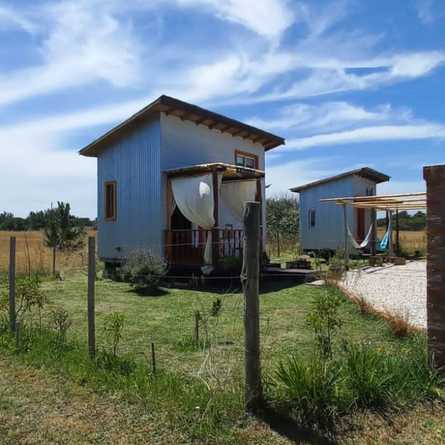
[[396, 289]]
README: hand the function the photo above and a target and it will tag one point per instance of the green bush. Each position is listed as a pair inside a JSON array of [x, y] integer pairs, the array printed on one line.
[[316, 391], [144, 270], [231, 264], [311, 391], [113, 328], [324, 320]]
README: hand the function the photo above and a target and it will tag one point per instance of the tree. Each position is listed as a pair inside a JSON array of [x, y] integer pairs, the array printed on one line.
[[61, 231], [282, 218]]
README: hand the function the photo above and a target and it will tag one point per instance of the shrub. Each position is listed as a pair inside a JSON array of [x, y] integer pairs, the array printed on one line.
[[231, 264], [144, 270], [61, 322], [113, 327], [310, 389], [216, 308], [324, 320], [369, 375]]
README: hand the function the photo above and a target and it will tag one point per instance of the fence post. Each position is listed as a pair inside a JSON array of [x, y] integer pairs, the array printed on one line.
[[250, 281], [11, 282], [435, 229], [345, 228], [153, 358], [91, 296], [197, 319]]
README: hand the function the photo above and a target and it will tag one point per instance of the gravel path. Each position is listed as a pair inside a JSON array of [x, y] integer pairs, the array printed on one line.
[[397, 289]]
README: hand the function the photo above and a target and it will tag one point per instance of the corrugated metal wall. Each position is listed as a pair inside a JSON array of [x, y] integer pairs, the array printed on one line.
[[184, 143], [329, 230], [134, 162]]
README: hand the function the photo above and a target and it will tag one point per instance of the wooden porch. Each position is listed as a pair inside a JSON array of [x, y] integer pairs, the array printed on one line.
[[186, 247]]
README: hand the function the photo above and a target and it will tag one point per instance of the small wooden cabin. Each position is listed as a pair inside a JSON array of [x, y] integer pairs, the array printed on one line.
[[173, 178], [322, 224]]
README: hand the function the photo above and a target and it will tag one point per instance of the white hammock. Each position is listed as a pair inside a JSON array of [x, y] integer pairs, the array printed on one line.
[[365, 242]]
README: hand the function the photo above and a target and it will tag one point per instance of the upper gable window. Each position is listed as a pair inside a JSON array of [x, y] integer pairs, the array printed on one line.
[[111, 201], [243, 159]]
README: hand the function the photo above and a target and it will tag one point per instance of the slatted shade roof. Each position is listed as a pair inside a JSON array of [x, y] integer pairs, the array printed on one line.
[[402, 201], [229, 171]]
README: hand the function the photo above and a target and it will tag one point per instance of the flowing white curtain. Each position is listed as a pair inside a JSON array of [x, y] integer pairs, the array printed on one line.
[[194, 197], [235, 194]]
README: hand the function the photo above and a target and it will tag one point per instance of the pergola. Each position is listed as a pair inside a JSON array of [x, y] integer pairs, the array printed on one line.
[[389, 203]]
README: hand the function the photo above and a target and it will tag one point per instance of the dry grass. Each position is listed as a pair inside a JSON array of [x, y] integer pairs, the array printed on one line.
[[410, 240], [398, 323], [34, 257]]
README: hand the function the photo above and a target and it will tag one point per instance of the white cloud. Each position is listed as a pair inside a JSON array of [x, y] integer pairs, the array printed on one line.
[[83, 43], [11, 18], [368, 134], [268, 18], [328, 116]]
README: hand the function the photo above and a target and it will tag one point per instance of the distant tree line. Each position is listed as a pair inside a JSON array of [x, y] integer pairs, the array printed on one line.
[[37, 221], [407, 221]]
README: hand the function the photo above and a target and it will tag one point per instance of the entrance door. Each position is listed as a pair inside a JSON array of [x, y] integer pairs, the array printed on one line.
[[360, 225], [187, 243]]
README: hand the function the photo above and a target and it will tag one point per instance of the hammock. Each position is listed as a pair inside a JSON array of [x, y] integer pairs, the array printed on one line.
[[386, 240], [365, 242]]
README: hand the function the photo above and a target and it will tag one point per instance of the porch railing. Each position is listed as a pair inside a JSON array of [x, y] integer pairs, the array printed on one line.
[[186, 247]]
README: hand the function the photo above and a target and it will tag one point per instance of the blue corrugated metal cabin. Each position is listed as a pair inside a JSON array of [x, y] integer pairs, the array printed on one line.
[[322, 223], [138, 158]]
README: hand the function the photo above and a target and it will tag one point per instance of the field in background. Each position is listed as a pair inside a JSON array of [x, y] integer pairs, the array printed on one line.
[[33, 256], [410, 240], [32, 252]]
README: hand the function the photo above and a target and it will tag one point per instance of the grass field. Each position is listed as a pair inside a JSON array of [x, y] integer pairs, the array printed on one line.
[[34, 256], [167, 320]]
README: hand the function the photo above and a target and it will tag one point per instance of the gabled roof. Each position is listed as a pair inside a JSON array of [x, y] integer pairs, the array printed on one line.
[[365, 172], [185, 111]]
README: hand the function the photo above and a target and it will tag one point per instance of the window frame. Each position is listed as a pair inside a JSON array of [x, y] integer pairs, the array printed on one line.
[[113, 217], [246, 154]]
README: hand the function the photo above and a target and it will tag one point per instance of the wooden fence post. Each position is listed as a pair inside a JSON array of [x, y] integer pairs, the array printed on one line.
[[250, 281], [435, 229], [91, 296], [345, 227], [197, 319], [11, 280], [153, 358]]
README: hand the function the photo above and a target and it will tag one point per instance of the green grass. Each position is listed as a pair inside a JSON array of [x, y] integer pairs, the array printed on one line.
[[168, 321], [198, 388]]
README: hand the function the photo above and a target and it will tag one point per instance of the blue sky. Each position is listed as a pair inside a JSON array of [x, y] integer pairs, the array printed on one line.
[[348, 83]]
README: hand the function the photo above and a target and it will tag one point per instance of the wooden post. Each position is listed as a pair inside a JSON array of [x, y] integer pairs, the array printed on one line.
[[390, 245], [17, 336], [153, 358], [197, 318], [250, 281], [435, 228], [11, 280], [215, 231], [397, 234], [374, 232], [346, 244], [91, 296]]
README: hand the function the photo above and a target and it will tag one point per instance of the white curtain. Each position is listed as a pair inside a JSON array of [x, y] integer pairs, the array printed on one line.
[[235, 194], [194, 197]]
